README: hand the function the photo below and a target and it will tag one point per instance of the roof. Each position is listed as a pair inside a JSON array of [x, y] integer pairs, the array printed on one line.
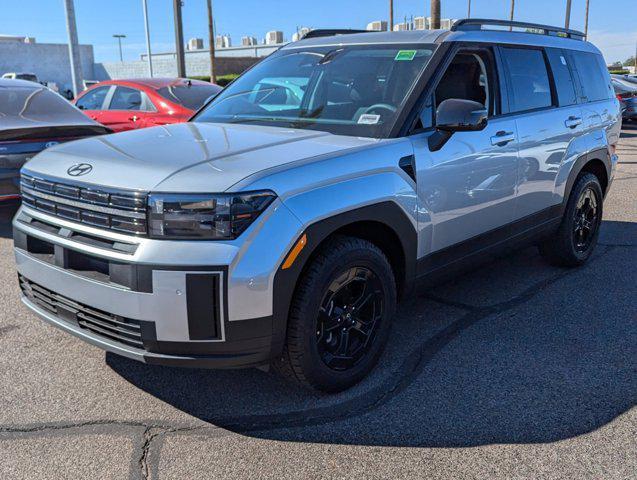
[[443, 36]]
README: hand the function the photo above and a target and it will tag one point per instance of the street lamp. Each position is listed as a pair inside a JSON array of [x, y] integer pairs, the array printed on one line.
[[119, 40]]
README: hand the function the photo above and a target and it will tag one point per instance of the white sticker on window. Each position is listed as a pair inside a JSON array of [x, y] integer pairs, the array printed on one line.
[[369, 119], [563, 60]]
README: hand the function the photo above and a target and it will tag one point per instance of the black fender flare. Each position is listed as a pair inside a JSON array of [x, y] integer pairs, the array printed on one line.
[[597, 154], [388, 213]]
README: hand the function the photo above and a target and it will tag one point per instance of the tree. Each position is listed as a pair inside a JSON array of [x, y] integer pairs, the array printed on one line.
[[630, 62]]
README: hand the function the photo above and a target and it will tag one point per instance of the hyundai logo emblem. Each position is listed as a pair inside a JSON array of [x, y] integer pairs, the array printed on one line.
[[79, 169], [50, 144]]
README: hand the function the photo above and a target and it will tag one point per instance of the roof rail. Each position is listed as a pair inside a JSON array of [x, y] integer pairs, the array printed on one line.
[[467, 24], [329, 32]]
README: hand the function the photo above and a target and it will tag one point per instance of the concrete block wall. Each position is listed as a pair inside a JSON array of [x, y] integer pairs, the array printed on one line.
[[166, 66], [49, 61]]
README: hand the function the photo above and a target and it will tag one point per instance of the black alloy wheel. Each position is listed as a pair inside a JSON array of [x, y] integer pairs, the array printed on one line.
[[586, 220], [349, 317]]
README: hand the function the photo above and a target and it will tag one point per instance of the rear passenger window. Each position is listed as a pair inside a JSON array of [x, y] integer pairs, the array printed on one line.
[[566, 93], [528, 79], [592, 79]]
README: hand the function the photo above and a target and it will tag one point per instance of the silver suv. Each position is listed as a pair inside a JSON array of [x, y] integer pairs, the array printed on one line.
[[282, 225]]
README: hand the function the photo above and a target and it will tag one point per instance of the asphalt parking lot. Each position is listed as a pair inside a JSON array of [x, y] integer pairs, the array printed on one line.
[[515, 370]]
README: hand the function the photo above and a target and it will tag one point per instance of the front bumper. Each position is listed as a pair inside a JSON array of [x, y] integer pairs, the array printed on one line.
[[196, 304]]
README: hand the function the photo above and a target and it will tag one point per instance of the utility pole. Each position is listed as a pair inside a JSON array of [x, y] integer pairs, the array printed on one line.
[[391, 15], [586, 21], [74, 48], [567, 20], [469, 9], [147, 28], [435, 14], [211, 42], [179, 39], [119, 41], [512, 13]]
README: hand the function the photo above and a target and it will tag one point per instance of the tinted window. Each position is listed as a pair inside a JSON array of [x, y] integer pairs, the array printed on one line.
[[93, 99], [126, 98], [593, 79], [349, 90], [528, 79], [191, 97], [564, 84]]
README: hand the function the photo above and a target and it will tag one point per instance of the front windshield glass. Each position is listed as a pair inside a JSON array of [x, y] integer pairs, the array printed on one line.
[[348, 90]]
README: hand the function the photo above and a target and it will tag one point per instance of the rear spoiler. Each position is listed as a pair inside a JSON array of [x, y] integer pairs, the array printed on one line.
[[52, 132]]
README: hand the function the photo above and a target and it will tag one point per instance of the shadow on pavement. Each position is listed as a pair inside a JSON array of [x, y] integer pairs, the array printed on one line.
[[7, 211], [514, 352]]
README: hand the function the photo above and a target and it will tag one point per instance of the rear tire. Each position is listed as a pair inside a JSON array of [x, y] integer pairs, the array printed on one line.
[[340, 316], [575, 240]]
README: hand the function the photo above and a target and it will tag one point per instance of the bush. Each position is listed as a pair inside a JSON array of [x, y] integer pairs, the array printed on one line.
[[222, 80]]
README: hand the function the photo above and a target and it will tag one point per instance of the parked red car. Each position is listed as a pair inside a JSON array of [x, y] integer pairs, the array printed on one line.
[[129, 104]]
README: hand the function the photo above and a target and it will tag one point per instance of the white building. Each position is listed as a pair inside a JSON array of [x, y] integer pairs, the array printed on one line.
[[377, 26], [248, 41], [399, 27], [273, 37], [303, 31], [194, 44], [223, 41], [421, 23]]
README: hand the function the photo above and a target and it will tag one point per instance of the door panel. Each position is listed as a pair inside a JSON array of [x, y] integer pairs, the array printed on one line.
[[548, 139], [468, 187]]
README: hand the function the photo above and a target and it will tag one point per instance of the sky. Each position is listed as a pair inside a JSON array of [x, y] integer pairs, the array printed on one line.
[[612, 23]]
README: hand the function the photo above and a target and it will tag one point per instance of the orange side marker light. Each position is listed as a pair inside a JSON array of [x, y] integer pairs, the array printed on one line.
[[294, 252]]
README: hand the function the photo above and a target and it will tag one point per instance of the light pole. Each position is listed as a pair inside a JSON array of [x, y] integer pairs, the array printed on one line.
[[179, 39], [512, 13], [567, 20], [391, 15], [469, 9], [147, 28], [74, 48], [211, 42], [119, 41]]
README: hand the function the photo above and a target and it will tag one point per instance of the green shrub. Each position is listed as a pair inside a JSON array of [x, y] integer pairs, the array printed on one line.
[[222, 80]]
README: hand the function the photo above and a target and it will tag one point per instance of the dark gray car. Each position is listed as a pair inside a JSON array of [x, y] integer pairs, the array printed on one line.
[[626, 93], [32, 118]]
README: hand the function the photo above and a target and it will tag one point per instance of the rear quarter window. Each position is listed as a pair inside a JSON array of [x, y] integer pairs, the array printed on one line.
[[594, 80]]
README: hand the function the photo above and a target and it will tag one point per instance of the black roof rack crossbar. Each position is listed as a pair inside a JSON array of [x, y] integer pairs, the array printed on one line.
[[329, 32], [477, 24]]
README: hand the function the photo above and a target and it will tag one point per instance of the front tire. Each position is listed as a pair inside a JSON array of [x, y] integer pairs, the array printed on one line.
[[575, 240], [340, 316]]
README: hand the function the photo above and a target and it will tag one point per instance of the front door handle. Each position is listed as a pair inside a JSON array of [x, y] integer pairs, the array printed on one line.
[[502, 138], [134, 118], [572, 122]]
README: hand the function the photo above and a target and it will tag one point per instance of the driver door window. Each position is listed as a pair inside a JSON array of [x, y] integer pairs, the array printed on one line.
[[126, 98]]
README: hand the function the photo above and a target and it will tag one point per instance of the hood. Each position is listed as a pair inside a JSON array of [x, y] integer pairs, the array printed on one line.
[[186, 157]]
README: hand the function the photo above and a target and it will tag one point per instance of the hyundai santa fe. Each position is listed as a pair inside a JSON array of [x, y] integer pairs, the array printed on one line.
[[283, 223]]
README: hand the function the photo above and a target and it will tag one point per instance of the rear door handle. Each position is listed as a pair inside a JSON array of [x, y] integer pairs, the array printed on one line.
[[502, 138], [572, 122]]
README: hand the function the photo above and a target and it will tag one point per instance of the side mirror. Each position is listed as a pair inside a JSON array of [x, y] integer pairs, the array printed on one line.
[[457, 115]]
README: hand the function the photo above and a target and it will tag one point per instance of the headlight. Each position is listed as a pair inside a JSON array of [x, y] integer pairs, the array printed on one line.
[[219, 216]]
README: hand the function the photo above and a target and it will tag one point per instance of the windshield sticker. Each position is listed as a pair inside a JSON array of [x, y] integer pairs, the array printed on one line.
[[563, 60], [405, 55], [369, 119]]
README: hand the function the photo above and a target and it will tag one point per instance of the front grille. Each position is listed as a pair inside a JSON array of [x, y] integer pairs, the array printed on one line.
[[107, 325], [114, 210]]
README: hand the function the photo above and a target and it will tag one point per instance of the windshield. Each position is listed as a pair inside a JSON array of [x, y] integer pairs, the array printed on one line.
[[350, 90], [190, 96]]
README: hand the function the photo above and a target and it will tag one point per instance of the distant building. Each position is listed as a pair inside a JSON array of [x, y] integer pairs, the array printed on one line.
[[421, 23], [223, 41], [195, 44], [399, 27], [303, 31], [274, 37], [15, 38], [377, 26], [248, 41]]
